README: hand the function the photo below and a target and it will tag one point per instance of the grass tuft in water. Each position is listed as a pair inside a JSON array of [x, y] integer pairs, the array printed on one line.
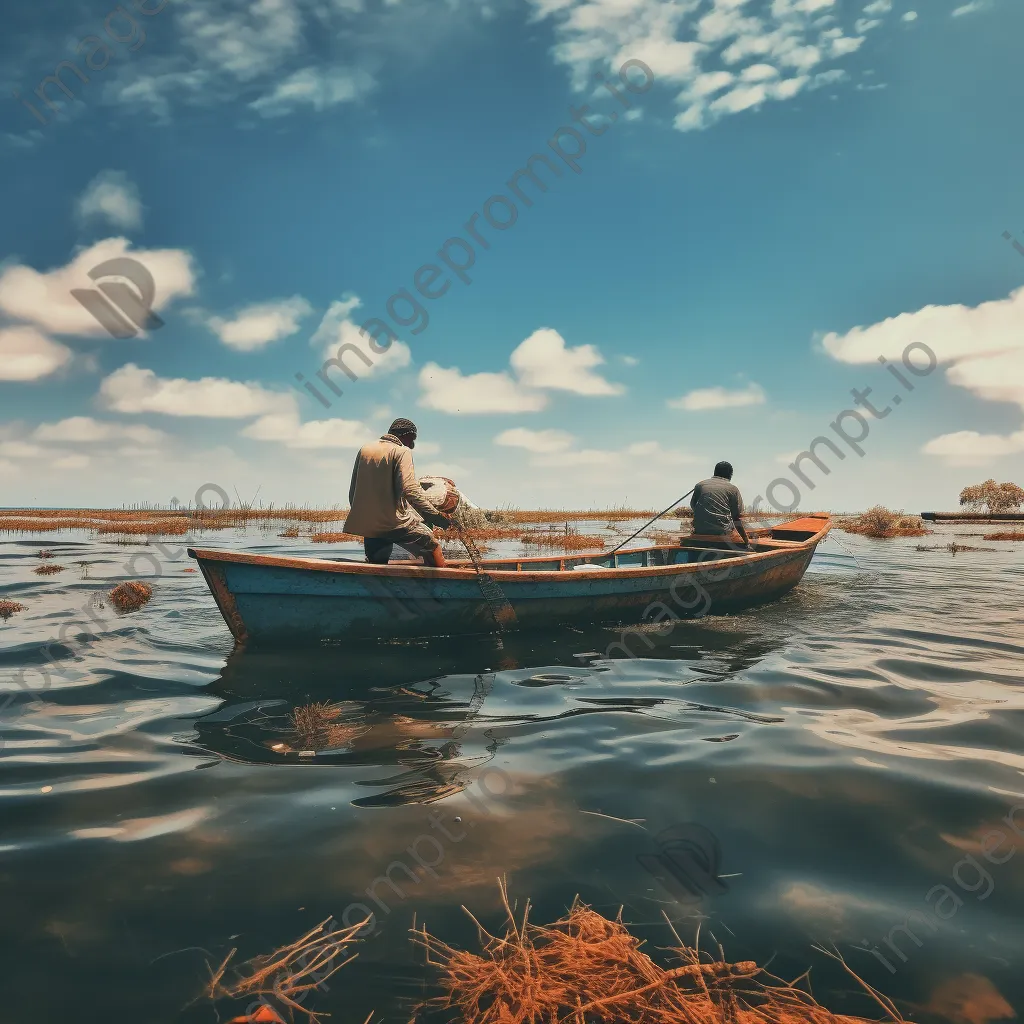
[[9, 608], [48, 570], [130, 596], [884, 523]]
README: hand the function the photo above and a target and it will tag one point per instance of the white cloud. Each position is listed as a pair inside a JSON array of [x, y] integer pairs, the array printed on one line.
[[971, 8], [111, 196], [909, 16], [969, 448], [259, 325], [85, 429], [630, 360], [701, 47], [538, 441], [584, 457], [286, 429], [45, 299], [67, 462], [982, 345], [544, 361], [315, 88], [447, 390], [661, 456], [132, 389], [703, 399], [27, 354], [338, 335]]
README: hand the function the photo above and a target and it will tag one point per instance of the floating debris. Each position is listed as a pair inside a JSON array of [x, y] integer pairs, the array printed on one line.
[[130, 596], [48, 569], [585, 969], [285, 977], [317, 727], [9, 608]]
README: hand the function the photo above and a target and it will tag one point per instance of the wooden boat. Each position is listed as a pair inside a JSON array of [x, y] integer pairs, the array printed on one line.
[[279, 600]]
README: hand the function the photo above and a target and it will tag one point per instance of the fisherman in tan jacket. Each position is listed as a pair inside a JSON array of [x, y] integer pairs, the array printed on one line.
[[387, 504]]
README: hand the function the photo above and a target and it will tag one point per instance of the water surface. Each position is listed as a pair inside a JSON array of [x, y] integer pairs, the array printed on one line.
[[804, 773]]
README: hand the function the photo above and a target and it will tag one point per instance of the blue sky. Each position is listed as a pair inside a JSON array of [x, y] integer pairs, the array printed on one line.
[[796, 188]]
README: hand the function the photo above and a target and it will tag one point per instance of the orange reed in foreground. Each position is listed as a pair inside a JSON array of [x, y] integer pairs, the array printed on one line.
[[130, 596], [585, 969]]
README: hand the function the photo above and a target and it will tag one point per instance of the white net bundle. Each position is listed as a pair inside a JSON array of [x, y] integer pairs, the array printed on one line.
[[445, 496]]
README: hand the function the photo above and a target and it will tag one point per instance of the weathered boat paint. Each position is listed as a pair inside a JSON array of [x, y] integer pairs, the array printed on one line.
[[279, 600]]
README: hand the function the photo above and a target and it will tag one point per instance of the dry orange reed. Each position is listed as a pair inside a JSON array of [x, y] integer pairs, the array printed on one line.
[[586, 969], [47, 569], [286, 975], [1005, 536], [881, 522], [333, 538], [565, 541], [517, 515], [9, 608], [130, 596]]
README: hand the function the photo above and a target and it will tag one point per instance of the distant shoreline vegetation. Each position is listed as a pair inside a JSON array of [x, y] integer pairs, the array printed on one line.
[[97, 47], [458, 253]]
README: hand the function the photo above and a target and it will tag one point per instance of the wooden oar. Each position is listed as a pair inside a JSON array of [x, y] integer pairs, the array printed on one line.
[[648, 523]]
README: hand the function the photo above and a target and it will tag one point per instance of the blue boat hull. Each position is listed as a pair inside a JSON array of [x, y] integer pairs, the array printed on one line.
[[270, 600]]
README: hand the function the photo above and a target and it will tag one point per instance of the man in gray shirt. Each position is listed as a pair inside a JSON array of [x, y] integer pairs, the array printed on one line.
[[718, 506]]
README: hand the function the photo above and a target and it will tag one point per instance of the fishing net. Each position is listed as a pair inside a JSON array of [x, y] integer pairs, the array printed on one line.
[[444, 495]]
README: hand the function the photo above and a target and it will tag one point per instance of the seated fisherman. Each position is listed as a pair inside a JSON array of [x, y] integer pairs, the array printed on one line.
[[387, 504], [718, 507]]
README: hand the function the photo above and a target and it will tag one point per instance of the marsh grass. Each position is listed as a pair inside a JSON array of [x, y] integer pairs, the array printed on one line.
[[585, 969], [9, 608], [45, 554], [1011, 535], [883, 523], [565, 541], [48, 569], [333, 538], [130, 596]]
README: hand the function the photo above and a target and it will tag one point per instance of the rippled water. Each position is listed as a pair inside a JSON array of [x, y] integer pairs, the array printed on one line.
[[800, 774]]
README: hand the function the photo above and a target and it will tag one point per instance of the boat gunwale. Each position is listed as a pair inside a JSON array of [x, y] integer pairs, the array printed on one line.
[[451, 572]]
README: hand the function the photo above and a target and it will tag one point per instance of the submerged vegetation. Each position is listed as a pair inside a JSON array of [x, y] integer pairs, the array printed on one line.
[[585, 969], [9, 608], [884, 523], [130, 596], [283, 980]]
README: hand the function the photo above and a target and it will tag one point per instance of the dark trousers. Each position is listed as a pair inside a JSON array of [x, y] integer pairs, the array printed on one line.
[[378, 552]]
